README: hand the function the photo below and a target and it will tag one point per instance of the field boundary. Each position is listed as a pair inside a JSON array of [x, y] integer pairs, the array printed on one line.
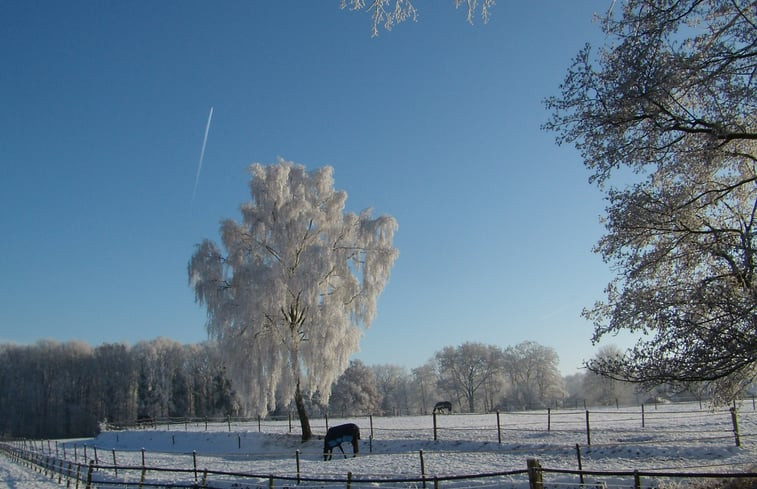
[[92, 475]]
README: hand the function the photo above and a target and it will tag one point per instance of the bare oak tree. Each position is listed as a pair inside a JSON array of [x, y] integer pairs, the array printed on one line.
[[671, 96]]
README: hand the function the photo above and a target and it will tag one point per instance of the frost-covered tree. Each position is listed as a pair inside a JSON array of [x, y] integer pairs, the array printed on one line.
[[425, 386], [672, 96], [393, 383], [464, 370], [392, 12], [606, 390], [297, 282], [532, 372], [355, 392]]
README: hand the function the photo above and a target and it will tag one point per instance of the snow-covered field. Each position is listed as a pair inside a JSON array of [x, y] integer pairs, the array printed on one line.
[[675, 438]]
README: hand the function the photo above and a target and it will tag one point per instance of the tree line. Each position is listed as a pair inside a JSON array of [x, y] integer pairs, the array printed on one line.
[[53, 389], [475, 377]]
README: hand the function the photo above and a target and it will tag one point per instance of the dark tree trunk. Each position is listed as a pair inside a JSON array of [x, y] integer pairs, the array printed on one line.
[[302, 413]]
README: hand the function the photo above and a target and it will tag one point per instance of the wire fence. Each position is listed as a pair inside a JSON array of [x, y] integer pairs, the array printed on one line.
[[533, 476], [587, 425], [504, 441]]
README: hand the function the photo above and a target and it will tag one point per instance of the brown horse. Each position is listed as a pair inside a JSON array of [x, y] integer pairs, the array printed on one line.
[[443, 406], [337, 435]]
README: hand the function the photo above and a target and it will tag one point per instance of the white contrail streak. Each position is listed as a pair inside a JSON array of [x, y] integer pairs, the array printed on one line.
[[202, 153]]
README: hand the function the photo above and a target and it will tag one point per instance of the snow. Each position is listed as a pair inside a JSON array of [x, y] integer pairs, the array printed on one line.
[[674, 438]]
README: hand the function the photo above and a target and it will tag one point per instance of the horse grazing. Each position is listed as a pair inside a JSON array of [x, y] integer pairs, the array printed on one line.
[[337, 435], [443, 406]]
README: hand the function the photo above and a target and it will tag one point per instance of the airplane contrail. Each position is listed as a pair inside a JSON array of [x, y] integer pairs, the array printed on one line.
[[202, 153]]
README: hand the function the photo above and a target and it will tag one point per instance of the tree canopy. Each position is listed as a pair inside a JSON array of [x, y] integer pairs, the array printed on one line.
[[671, 96], [298, 280], [388, 13]]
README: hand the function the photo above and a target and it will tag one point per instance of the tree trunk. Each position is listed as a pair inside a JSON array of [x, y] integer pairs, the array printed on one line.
[[302, 413]]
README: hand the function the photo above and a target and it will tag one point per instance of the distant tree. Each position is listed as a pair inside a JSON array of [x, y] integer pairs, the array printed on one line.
[[355, 392], [393, 383], [464, 370], [299, 278], [392, 12], [574, 388], [671, 96], [424, 382], [115, 383], [534, 378], [211, 391], [599, 389], [161, 385]]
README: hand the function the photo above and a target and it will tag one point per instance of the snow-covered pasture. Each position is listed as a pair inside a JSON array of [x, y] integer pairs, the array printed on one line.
[[674, 438]]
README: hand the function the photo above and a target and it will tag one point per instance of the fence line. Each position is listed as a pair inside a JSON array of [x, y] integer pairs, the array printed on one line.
[[583, 426], [557, 421], [99, 474]]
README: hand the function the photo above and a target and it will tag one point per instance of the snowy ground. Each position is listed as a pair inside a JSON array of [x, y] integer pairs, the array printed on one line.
[[674, 438]]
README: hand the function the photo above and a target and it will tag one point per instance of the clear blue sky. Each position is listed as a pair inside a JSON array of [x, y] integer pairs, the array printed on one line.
[[104, 106]]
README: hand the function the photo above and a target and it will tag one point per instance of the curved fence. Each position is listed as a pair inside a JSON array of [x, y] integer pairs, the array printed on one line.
[[548, 448], [533, 476]]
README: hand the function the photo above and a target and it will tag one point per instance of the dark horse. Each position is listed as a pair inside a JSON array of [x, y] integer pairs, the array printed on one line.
[[443, 406], [337, 435]]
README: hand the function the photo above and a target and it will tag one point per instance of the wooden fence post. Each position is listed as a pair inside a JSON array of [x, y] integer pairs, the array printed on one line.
[[370, 417], [636, 480], [297, 456], [434, 415], [349, 480], [534, 474], [89, 473], [423, 469], [549, 419], [588, 429], [735, 421], [499, 429], [643, 418], [580, 465], [115, 466], [194, 462]]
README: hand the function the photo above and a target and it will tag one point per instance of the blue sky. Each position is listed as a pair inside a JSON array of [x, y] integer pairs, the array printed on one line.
[[104, 107]]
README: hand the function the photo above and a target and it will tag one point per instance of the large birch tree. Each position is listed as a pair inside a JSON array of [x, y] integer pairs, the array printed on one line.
[[292, 285]]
